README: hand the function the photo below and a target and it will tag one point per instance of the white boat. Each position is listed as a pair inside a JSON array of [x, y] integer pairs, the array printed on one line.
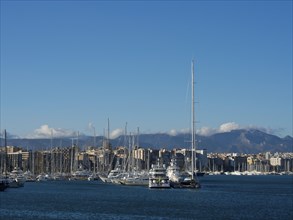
[[93, 177], [158, 177], [103, 177], [80, 174], [29, 176], [59, 176], [114, 173], [16, 178], [180, 179], [173, 171], [43, 177], [114, 176], [136, 179]]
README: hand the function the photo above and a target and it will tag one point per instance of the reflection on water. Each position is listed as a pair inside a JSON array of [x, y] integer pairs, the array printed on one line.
[[230, 197]]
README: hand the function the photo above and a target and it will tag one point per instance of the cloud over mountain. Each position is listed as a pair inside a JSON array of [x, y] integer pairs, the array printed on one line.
[[174, 132], [46, 132], [237, 140], [226, 127], [230, 126], [116, 133]]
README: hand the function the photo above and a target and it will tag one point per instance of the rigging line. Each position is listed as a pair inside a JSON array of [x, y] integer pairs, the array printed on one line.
[[187, 112]]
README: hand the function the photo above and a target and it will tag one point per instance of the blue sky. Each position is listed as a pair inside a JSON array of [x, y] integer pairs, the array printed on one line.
[[71, 65]]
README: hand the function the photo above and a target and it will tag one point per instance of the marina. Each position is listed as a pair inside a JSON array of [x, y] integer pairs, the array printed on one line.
[[199, 94]]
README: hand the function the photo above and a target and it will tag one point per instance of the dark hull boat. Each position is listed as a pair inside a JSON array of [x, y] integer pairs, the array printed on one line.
[[3, 185]]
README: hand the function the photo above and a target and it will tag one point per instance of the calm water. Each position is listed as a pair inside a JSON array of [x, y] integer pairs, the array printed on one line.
[[221, 197]]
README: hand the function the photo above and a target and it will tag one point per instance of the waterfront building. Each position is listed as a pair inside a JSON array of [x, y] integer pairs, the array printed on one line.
[[277, 163], [140, 158], [216, 164], [268, 155], [14, 160], [68, 159]]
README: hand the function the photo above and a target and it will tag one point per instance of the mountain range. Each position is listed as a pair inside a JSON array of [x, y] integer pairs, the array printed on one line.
[[238, 141]]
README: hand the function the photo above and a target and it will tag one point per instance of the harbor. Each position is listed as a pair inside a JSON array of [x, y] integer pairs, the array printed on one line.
[[156, 110], [132, 165]]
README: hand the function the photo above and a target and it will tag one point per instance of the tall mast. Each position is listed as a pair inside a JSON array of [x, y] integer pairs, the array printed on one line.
[[51, 153], [124, 151], [137, 146], [94, 136], [130, 162], [51, 139], [137, 137], [6, 153], [71, 158], [76, 152], [77, 138], [193, 154], [108, 130]]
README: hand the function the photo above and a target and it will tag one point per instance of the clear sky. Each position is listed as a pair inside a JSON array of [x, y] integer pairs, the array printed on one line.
[[70, 65]]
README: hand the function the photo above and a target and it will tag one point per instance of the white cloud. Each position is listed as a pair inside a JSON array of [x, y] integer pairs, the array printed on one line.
[[275, 131], [46, 132], [116, 133], [227, 127], [206, 131], [174, 132]]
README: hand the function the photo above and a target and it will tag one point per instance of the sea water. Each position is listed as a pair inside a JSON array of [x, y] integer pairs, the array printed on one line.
[[221, 197]]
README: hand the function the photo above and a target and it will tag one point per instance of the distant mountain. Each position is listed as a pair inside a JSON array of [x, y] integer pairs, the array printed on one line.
[[247, 141], [238, 141]]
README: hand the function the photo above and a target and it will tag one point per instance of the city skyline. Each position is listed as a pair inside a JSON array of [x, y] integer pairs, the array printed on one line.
[[69, 66]]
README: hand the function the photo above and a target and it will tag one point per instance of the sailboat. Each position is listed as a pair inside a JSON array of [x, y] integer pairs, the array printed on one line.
[[133, 175], [194, 183], [189, 179]]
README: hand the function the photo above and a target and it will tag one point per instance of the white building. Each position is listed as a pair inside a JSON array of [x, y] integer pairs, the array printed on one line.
[[276, 161]]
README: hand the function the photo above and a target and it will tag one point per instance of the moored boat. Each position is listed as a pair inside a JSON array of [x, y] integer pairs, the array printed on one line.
[[136, 179], [80, 174], [16, 178], [158, 177], [29, 177], [173, 172], [3, 184]]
